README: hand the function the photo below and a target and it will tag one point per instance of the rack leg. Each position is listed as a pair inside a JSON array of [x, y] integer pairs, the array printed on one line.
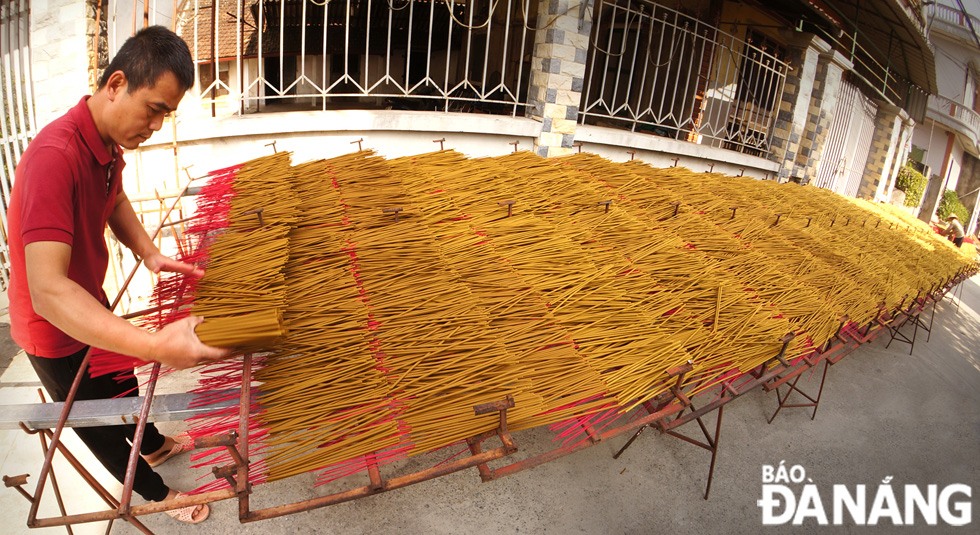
[[823, 379], [629, 442], [714, 450], [55, 486], [813, 402], [710, 444], [932, 318]]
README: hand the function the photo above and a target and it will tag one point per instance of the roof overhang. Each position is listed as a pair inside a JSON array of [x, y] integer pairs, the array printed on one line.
[[890, 32]]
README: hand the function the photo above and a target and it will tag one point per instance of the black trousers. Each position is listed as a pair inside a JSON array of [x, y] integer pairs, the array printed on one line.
[[110, 444]]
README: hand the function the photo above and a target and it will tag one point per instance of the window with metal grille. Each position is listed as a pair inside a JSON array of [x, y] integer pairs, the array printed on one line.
[[377, 54]]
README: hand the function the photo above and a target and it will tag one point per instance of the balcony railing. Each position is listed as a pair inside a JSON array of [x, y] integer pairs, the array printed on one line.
[[967, 119], [655, 70], [952, 15], [953, 19]]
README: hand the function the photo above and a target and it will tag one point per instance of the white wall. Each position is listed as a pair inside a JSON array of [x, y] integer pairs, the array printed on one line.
[[210, 144], [955, 163], [931, 137], [59, 57], [952, 59], [120, 18]]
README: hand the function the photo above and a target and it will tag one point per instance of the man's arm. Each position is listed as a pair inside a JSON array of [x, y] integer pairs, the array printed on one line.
[[130, 232], [70, 308]]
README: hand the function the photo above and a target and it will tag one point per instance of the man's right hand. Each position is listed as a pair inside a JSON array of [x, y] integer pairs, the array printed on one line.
[[178, 346]]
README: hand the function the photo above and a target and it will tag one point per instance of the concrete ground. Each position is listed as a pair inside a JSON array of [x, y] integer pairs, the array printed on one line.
[[884, 414]]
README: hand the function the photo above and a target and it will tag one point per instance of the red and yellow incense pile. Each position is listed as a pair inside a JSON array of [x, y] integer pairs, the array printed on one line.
[[383, 299]]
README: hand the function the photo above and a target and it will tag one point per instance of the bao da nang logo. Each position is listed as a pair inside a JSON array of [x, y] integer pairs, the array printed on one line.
[[790, 497]]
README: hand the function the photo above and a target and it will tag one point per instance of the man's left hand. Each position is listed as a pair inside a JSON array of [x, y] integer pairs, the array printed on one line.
[[158, 262]]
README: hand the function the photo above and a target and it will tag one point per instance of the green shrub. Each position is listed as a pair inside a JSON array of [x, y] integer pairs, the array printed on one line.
[[912, 183], [951, 205]]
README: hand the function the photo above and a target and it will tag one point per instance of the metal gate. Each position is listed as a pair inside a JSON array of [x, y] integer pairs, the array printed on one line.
[[848, 142], [17, 125]]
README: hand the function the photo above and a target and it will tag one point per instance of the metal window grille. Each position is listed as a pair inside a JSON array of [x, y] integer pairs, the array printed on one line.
[[655, 70], [255, 55], [17, 125]]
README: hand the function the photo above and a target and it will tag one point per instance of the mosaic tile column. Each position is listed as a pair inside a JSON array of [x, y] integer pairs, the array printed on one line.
[[803, 54], [558, 72], [823, 108], [884, 149]]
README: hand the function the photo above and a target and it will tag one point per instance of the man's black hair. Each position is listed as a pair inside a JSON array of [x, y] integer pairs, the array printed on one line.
[[147, 55]]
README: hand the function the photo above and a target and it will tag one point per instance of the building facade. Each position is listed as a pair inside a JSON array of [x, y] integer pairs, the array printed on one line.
[[790, 91], [947, 142]]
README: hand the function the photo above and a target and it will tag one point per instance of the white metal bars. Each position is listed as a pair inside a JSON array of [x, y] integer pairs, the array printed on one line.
[[395, 54], [845, 153], [653, 69], [17, 126], [834, 159]]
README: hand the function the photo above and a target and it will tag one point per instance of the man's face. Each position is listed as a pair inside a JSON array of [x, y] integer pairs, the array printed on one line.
[[132, 117]]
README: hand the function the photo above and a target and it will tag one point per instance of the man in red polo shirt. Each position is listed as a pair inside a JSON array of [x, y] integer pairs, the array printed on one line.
[[68, 186]]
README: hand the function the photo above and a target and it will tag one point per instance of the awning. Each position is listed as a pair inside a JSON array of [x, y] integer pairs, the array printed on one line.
[[888, 31]]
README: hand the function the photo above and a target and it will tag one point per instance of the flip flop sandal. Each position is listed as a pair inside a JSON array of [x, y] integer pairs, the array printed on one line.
[[182, 442], [186, 514]]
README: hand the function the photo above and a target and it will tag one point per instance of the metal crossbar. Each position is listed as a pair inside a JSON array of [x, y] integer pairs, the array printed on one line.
[[96, 412]]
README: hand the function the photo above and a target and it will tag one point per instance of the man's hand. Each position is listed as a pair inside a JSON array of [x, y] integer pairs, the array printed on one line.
[[178, 346], [157, 262], [69, 307]]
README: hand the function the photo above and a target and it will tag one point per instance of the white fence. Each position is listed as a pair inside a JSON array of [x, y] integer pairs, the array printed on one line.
[[845, 153], [16, 110]]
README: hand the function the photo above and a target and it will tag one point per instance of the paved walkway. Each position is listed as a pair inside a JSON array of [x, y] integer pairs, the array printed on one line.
[[885, 414]]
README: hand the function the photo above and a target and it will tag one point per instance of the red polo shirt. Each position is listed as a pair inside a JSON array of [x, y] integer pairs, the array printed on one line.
[[65, 188]]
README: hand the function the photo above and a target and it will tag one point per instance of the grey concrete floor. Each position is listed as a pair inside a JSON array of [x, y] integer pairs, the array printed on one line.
[[915, 418]]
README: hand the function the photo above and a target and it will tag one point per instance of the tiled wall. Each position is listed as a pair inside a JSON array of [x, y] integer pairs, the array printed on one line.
[[558, 73], [790, 124], [823, 107], [888, 126]]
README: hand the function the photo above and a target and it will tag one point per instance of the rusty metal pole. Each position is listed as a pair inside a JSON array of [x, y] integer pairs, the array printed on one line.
[[714, 449], [134, 454], [54, 478], [56, 487], [243, 487], [214, 59], [56, 439], [139, 261], [106, 496]]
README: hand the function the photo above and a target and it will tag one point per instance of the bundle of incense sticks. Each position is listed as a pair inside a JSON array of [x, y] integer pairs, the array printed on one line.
[[385, 298], [238, 235]]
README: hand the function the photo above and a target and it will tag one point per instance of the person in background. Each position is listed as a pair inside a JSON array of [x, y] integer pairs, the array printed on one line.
[[68, 187], [954, 230]]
